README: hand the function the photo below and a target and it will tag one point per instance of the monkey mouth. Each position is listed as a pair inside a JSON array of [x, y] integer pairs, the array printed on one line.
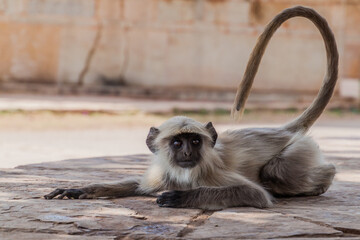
[[186, 164]]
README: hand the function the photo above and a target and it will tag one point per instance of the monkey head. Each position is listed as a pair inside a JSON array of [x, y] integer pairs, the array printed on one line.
[[182, 140]]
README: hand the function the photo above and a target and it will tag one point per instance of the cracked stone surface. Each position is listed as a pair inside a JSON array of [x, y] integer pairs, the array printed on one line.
[[26, 215]]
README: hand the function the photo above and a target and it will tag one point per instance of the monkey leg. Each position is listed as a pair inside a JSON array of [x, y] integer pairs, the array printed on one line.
[[322, 176], [125, 188], [292, 182], [214, 198], [298, 170]]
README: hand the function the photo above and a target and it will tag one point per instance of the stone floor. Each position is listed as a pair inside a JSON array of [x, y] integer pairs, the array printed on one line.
[[26, 215]]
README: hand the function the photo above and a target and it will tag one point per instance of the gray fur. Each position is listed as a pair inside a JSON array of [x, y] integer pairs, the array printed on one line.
[[238, 167], [307, 119], [241, 169]]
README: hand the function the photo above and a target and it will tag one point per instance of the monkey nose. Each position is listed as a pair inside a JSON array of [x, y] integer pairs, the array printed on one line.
[[187, 154]]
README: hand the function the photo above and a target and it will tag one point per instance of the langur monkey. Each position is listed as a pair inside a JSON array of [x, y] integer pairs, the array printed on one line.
[[199, 169]]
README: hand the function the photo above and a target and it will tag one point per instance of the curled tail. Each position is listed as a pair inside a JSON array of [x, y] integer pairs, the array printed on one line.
[[312, 113]]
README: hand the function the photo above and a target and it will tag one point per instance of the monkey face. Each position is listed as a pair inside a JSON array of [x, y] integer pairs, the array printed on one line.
[[186, 149]]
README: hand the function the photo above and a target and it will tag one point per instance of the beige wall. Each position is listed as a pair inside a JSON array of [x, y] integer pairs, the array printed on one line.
[[202, 43]]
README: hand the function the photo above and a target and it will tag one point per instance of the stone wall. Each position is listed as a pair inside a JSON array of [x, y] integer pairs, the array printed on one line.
[[170, 43]]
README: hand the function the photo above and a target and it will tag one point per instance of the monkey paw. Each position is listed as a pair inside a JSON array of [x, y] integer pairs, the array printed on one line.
[[171, 199], [68, 193]]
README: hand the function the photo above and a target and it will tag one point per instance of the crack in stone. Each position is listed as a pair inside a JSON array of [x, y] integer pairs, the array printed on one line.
[[8, 210], [90, 55], [345, 232], [322, 224], [31, 230], [83, 231], [12, 209], [352, 231], [196, 221], [311, 235], [95, 232], [52, 222]]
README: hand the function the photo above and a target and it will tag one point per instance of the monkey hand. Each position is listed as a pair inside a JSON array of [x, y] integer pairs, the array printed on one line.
[[174, 199], [68, 193]]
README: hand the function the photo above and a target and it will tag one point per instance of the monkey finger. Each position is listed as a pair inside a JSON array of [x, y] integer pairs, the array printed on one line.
[[61, 196], [83, 196], [169, 199], [72, 194], [54, 193], [167, 203], [86, 196]]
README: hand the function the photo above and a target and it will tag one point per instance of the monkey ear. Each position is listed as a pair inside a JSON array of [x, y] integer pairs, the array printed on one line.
[[150, 140], [212, 132]]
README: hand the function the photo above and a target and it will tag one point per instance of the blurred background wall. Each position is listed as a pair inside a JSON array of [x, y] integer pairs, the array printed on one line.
[[149, 47]]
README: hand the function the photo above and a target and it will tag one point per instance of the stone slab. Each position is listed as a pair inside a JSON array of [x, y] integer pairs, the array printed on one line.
[[249, 223], [25, 214]]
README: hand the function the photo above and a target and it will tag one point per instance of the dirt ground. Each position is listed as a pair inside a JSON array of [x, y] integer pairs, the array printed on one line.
[[42, 136]]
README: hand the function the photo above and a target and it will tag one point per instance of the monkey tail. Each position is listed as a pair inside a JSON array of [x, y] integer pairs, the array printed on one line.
[[312, 113]]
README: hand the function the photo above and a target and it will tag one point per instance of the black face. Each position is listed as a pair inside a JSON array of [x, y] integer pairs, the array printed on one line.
[[186, 149]]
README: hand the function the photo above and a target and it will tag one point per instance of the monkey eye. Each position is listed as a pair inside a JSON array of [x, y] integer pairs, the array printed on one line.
[[177, 143], [195, 141]]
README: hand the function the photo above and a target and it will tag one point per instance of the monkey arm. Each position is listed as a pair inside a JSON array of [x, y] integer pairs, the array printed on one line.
[[125, 188], [244, 194], [214, 198], [150, 183]]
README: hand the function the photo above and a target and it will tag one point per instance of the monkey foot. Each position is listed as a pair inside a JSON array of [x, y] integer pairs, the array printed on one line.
[[68, 193]]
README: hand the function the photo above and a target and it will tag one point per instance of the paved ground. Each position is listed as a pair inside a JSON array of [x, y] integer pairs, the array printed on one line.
[[36, 129], [100, 103], [26, 215]]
